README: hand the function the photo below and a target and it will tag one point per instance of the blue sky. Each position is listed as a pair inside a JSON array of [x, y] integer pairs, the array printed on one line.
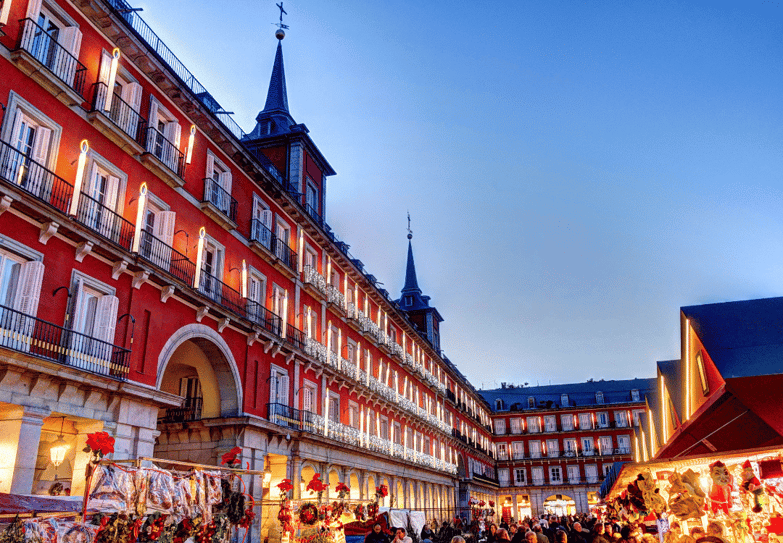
[[575, 171]]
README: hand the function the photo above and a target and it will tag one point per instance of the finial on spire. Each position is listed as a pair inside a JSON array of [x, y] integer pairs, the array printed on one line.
[[280, 33], [410, 232]]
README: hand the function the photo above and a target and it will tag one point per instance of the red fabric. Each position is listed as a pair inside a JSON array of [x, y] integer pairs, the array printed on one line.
[[770, 468]]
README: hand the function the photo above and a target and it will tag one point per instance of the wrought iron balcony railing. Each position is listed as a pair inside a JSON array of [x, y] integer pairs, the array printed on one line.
[[104, 221], [295, 337], [165, 151], [261, 234], [282, 251], [25, 173], [335, 296], [121, 113], [219, 292], [42, 339], [220, 198], [314, 278], [190, 411], [45, 48], [166, 258], [266, 319]]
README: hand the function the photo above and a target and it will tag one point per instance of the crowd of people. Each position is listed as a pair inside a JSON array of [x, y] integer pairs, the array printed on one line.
[[546, 529]]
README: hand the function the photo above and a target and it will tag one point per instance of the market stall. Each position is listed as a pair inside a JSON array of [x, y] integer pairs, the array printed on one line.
[[733, 497]]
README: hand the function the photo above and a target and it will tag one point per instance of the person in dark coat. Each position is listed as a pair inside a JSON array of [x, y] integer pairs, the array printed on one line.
[[376, 535]]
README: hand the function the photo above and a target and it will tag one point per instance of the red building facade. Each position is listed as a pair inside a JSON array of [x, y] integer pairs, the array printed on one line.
[[171, 279], [554, 444]]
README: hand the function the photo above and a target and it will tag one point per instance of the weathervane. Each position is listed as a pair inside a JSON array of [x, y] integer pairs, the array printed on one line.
[[280, 34], [410, 232]]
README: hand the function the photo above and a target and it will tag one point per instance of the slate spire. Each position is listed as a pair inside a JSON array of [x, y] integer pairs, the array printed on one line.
[[277, 97], [411, 283]]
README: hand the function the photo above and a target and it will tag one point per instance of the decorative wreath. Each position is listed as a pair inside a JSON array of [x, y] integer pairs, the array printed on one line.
[[308, 514]]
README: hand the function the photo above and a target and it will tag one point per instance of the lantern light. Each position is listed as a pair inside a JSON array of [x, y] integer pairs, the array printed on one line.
[[140, 217], [202, 233], [191, 140], [115, 61], [59, 448], [77, 184]]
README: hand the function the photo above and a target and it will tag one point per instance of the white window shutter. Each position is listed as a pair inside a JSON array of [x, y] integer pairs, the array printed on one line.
[[28, 290], [177, 135], [71, 40], [225, 181], [210, 165], [76, 296], [103, 73], [307, 401], [5, 9], [165, 226], [41, 145], [266, 234], [33, 9], [283, 389], [153, 114], [18, 118], [112, 193], [106, 317], [132, 93]]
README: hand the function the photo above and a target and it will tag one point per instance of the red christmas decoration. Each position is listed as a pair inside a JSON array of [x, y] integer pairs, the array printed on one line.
[[285, 485], [316, 484], [230, 457], [100, 443]]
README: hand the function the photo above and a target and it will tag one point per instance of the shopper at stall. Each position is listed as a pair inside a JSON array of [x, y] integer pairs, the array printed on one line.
[[502, 535], [401, 536], [577, 534], [376, 535], [561, 536], [427, 535], [599, 533]]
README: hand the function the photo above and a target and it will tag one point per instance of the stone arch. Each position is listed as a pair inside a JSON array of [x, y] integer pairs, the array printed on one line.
[[355, 482], [221, 359], [461, 471]]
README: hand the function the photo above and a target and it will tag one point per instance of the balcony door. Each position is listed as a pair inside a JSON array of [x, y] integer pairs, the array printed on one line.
[[211, 267], [54, 39], [31, 140], [262, 224], [93, 317], [97, 210], [159, 234], [20, 288]]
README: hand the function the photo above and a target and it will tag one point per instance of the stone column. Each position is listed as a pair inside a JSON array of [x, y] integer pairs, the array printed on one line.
[[81, 458], [20, 432], [514, 506], [295, 467]]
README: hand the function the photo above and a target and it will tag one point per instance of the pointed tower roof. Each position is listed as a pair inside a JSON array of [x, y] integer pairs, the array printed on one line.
[[277, 97], [411, 283]]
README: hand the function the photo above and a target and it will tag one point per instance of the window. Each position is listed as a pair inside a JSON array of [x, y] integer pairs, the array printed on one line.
[[217, 185], [637, 414], [503, 477], [569, 447], [334, 407], [605, 442], [350, 351], [502, 451], [283, 233], [157, 236], [256, 294], [573, 474], [603, 419], [163, 136], [261, 223], [278, 386], [20, 289], [550, 423], [624, 444], [585, 421], [538, 475], [591, 473], [587, 446], [552, 448], [564, 400], [555, 475], [309, 395], [54, 39], [599, 397], [100, 200], [280, 303], [606, 468], [531, 402], [519, 450], [311, 259], [353, 414], [516, 425], [35, 139], [533, 425], [397, 433], [211, 269], [635, 395], [385, 428], [535, 449], [125, 105], [567, 422], [334, 339], [621, 419], [93, 317], [310, 323], [311, 198], [500, 426], [520, 476]]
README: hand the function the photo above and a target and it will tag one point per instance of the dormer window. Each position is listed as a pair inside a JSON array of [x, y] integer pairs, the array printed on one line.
[[409, 300], [531, 402], [599, 397], [498, 404], [635, 395], [564, 400]]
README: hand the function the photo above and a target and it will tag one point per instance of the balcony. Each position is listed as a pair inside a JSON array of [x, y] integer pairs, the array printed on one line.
[[538, 482], [36, 337], [263, 317], [312, 277], [222, 294], [23, 173], [316, 350], [295, 337], [163, 158], [121, 123], [190, 411], [284, 253], [166, 258], [219, 205], [40, 55], [335, 297], [104, 221], [313, 212]]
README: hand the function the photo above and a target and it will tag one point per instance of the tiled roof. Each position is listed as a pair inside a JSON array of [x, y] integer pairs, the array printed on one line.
[[579, 394], [743, 339]]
